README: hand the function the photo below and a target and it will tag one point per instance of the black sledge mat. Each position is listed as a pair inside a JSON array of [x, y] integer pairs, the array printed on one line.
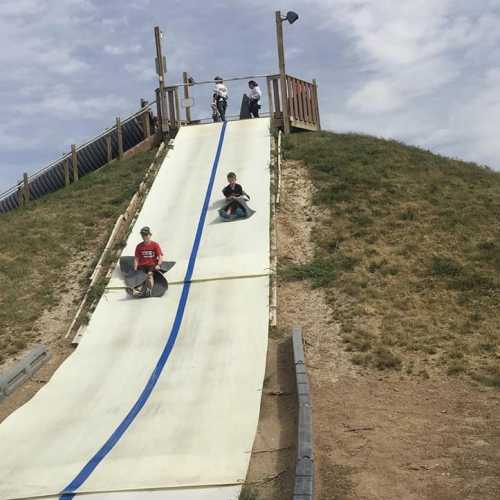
[[245, 107], [242, 201], [134, 279]]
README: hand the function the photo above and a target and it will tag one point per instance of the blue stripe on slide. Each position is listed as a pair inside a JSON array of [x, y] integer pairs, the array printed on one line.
[[70, 491]]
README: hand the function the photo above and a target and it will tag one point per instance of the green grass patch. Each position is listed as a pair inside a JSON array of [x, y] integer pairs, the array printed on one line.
[[413, 237]]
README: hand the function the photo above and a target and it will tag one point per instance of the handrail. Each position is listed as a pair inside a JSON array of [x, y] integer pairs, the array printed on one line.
[[205, 82]]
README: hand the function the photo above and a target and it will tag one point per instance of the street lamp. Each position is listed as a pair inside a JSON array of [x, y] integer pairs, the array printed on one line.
[[291, 17]]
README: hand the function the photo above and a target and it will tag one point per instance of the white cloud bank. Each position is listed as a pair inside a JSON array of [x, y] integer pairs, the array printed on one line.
[[422, 71]]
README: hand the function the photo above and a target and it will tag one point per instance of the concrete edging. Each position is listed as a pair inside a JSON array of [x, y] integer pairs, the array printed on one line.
[[22, 370], [304, 467]]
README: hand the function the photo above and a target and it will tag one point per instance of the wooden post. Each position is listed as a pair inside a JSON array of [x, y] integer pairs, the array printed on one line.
[[26, 188], [270, 98], [109, 151], [281, 60], [20, 194], [316, 103], [177, 108], [119, 135], [66, 172], [159, 118], [186, 96], [145, 119], [74, 161], [277, 104], [171, 107], [163, 120]]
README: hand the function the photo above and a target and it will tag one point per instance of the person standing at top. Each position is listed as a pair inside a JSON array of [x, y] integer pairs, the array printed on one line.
[[148, 258], [219, 99], [254, 97]]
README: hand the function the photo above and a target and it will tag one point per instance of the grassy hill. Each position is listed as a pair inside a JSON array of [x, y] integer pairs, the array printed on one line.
[[56, 241], [408, 248]]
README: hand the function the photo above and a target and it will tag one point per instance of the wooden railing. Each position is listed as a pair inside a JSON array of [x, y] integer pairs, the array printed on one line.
[[301, 101]]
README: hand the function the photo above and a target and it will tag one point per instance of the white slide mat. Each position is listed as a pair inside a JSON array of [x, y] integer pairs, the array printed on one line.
[[195, 431]]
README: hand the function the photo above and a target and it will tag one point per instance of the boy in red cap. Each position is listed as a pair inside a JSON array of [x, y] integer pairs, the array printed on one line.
[[148, 258]]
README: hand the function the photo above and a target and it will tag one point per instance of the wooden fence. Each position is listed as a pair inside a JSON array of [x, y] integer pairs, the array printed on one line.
[[301, 101], [121, 140]]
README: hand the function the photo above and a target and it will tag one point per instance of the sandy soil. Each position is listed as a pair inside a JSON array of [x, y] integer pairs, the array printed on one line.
[[52, 327], [378, 435]]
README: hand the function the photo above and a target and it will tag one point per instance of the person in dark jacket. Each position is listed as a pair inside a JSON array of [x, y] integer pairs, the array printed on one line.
[[232, 192]]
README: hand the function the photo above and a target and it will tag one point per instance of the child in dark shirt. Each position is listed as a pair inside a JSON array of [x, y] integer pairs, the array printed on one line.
[[232, 192]]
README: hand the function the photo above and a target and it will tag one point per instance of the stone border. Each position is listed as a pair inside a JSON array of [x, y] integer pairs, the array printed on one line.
[[304, 468], [22, 370]]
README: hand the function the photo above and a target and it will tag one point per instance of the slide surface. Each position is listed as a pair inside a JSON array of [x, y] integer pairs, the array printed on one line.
[[162, 396]]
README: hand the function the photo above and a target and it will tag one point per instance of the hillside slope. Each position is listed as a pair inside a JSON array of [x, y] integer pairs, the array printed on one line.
[[49, 249], [412, 239], [384, 264]]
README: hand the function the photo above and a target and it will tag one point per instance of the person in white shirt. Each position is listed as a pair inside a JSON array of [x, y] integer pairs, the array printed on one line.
[[219, 100], [254, 96]]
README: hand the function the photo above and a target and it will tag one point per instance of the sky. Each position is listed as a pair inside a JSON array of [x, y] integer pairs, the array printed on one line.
[[425, 72]]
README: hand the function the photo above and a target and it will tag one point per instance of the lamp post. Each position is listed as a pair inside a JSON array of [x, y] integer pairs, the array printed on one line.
[[291, 17]]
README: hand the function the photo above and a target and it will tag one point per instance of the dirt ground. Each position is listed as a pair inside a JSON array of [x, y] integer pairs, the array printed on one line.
[[52, 327], [272, 466], [378, 435]]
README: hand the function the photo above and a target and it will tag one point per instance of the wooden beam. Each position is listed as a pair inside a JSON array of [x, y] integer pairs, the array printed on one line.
[[300, 96], [20, 194], [292, 92], [145, 119], [161, 70], [186, 96], [281, 60], [270, 97], [119, 135], [177, 107], [74, 162], [316, 103], [171, 108], [277, 104], [26, 188], [304, 125], [159, 111]]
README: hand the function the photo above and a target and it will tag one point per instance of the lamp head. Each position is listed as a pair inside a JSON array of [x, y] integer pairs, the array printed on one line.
[[291, 16]]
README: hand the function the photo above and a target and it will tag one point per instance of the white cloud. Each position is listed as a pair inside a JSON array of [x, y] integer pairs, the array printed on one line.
[[419, 71], [120, 50]]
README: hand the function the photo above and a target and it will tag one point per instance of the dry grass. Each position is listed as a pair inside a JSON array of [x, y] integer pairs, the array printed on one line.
[[413, 240], [37, 244]]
